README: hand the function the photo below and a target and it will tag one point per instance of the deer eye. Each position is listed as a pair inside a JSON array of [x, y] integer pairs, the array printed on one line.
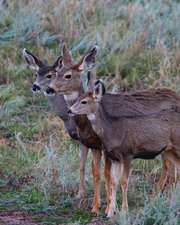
[[84, 102], [49, 76], [67, 76]]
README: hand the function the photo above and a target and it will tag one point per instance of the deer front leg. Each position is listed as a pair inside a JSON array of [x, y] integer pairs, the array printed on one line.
[[107, 179], [96, 180], [124, 185], [116, 172], [83, 158]]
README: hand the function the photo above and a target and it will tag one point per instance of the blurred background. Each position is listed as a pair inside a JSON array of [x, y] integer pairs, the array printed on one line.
[[139, 47]]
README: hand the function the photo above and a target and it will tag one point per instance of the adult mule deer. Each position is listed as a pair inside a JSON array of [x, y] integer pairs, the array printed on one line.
[[126, 135], [67, 68], [44, 74]]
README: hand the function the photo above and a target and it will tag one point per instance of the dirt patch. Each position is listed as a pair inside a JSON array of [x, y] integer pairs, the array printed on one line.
[[20, 218], [15, 218]]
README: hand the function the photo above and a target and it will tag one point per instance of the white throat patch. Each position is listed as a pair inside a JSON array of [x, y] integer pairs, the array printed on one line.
[[91, 117], [71, 97]]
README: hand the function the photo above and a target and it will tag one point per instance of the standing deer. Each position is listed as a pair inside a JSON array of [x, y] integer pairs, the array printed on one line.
[[68, 81], [87, 138], [126, 135]]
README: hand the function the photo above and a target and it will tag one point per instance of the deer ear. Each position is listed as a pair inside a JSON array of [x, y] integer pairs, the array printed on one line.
[[90, 82], [33, 62], [58, 64], [67, 57], [99, 90], [88, 59]]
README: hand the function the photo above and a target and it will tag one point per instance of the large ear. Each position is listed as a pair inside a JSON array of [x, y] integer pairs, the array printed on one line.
[[90, 82], [58, 64], [33, 62], [99, 90], [88, 59], [67, 57]]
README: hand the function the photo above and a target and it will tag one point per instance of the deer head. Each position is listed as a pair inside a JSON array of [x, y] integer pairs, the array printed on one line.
[[68, 76], [88, 103], [43, 73]]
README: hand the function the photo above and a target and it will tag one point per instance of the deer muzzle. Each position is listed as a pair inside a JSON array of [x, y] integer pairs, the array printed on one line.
[[70, 113], [35, 88], [50, 91]]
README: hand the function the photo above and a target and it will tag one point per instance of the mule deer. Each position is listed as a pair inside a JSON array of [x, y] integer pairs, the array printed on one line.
[[87, 136], [44, 74], [79, 128], [126, 135]]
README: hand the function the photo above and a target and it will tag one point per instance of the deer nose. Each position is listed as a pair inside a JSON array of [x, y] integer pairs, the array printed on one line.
[[35, 88], [69, 111], [50, 91]]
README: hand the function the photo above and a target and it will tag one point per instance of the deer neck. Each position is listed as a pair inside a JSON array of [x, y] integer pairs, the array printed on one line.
[[99, 120], [72, 97]]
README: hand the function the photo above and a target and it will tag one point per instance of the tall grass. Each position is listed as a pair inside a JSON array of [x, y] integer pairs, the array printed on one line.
[[137, 39], [160, 210]]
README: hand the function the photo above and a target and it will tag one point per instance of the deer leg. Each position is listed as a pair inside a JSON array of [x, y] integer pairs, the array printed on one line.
[[175, 160], [175, 176], [172, 157], [83, 158], [107, 177], [96, 178], [124, 185], [116, 171], [164, 173]]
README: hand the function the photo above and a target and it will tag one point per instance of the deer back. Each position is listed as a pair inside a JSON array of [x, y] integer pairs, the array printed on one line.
[[140, 102]]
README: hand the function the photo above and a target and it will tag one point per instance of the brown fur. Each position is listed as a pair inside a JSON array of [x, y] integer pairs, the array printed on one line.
[[139, 103], [130, 126], [86, 134]]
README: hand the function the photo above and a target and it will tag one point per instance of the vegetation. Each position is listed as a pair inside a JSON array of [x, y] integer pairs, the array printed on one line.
[[138, 48]]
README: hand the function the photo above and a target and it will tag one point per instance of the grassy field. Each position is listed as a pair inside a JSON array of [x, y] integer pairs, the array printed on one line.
[[139, 47]]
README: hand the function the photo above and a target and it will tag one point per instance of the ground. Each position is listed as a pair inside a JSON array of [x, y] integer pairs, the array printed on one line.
[[19, 207]]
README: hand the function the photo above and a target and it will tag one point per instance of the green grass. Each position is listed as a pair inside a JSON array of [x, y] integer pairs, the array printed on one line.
[[162, 209], [138, 46]]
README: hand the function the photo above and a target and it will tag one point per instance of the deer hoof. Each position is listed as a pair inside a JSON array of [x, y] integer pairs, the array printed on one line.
[[125, 208], [106, 210], [95, 210], [111, 213]]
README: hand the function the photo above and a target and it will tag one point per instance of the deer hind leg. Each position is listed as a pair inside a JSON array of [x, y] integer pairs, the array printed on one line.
[[124, 180], [107, 177], [83, 158], [116, 171], [176, 176], [96, 180], [172, 157], [164, 173]]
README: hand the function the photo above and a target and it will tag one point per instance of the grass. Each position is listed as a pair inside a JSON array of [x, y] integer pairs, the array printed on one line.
[[161, 209], [138, 48]]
